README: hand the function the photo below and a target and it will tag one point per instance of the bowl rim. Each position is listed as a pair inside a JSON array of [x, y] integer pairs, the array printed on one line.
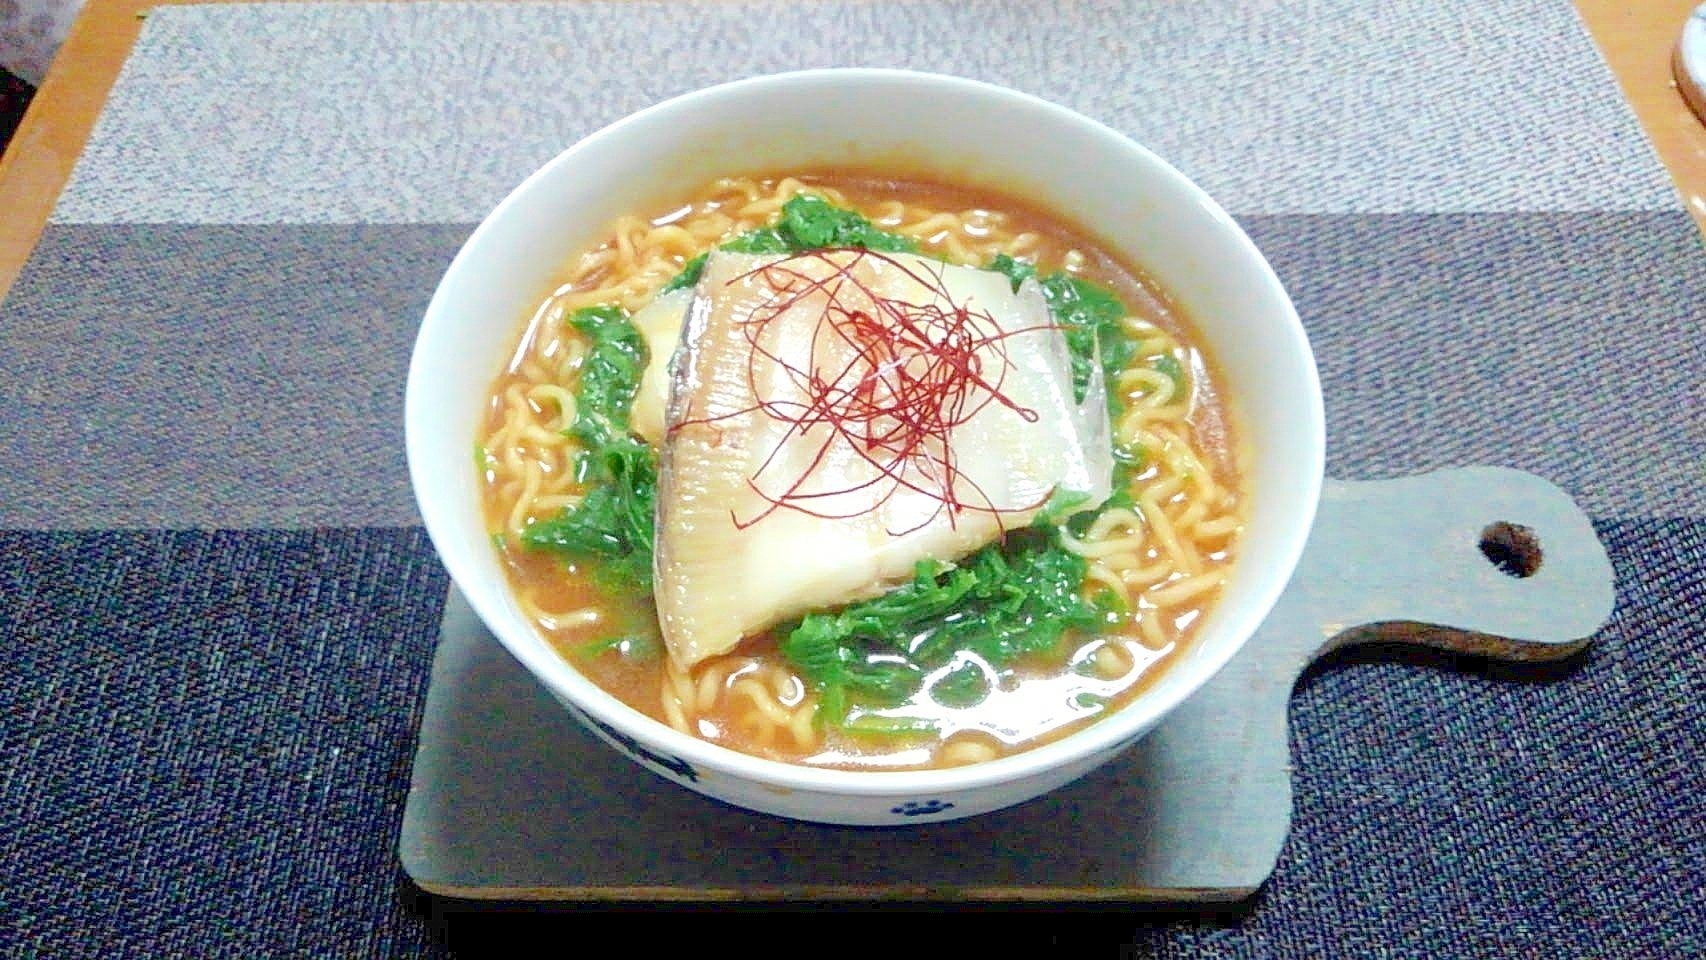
[[1105, 734]]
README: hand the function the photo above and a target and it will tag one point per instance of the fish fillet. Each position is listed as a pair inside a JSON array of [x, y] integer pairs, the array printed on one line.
[[838, 416]]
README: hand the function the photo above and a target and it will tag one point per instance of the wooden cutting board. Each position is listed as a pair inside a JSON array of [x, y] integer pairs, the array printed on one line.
[[511, 800]]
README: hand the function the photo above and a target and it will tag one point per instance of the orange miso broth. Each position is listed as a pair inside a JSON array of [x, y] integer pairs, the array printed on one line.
[[1150, 563]]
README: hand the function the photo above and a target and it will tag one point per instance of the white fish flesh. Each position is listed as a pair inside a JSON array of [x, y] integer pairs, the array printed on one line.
[[835, 417], [659, 324]]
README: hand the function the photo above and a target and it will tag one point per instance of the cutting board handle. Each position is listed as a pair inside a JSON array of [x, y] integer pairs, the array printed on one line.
[[1480, 560]]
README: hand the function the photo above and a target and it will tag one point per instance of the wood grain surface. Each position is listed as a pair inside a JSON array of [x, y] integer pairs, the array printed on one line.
[[1637, 40]]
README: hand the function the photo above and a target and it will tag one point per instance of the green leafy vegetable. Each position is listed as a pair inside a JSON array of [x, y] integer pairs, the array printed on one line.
[[1090, 702], [1170, 367], [810, 222], [1017, 271], [1114, 610], [689, 275], [964, 686], [614, 523], [637, 646], [610, 375], [1009, 599], [871, 723], [1091, 317], [1062, 503], [1132, 458], [807, 222]]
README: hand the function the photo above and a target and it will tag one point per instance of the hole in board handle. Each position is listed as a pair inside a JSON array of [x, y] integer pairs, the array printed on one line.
[[1511, 547]]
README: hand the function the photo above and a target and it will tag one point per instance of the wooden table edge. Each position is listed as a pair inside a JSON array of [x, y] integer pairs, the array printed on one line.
[[1637, 44]]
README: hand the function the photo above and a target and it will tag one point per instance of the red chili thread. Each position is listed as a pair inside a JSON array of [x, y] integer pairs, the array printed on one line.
[[912, 374]]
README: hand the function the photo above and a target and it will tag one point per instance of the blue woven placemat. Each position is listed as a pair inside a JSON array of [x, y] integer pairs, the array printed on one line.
[[217, 609]]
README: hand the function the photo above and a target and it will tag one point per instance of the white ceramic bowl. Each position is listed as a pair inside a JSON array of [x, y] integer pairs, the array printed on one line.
[[954, 130]]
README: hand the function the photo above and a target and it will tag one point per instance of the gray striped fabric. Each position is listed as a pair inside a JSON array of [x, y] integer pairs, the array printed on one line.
[[390, 113]]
